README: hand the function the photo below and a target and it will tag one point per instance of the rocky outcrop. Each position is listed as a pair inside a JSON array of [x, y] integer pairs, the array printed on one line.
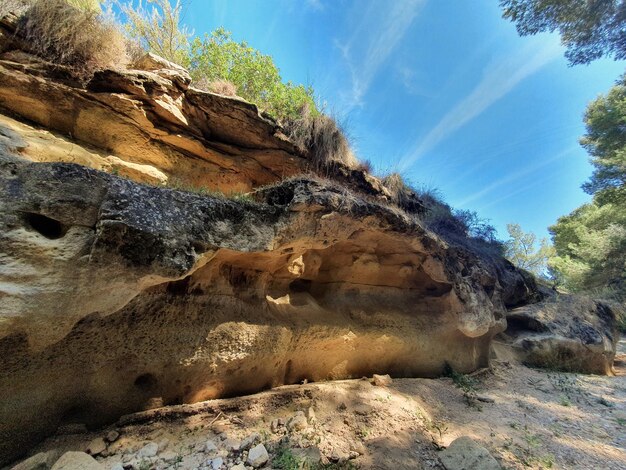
[[564, 332], [118, 296], [155, 119]]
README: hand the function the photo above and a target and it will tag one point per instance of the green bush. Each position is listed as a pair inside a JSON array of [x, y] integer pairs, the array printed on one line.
[[257, 79]]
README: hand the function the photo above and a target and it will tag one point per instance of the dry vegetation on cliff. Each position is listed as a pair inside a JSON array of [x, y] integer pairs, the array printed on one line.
[[78, 38]]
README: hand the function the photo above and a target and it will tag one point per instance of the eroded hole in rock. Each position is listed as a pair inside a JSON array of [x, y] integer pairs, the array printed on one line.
[[49, 228], [75, 414], [519, 323], [146, 382], [300, 285], [236, 277], [288, 368], [179, 287]]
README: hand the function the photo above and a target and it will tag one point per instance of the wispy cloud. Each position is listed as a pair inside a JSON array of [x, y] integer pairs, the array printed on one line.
[[408, 77], [316, 5], [372, 42], [499, 78], [514, 177], [523, 188]]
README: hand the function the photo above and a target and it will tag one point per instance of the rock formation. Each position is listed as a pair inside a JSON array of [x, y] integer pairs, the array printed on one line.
[[564, 332], [152, 119], [119, 296]]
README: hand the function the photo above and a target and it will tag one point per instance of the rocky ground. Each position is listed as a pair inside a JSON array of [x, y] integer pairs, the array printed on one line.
[[526, 418]]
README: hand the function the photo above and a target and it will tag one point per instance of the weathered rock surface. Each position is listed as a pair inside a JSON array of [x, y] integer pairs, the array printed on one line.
[[39, 461], [153, 120], [565, 332], [118, 296], [466, 454], [77, 461]]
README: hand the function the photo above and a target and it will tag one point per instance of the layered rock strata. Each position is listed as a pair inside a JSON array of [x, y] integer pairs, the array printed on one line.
[[118, 296]]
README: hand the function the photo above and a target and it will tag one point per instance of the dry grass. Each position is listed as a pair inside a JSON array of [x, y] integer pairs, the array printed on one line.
[[402, 194], [365, 165], [221, 87], [322, 138], [17, 7], [396, 186], [80, 39]]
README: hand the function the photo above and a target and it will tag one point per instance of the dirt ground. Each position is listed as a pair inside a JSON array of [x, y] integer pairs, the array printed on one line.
[[526, 418]]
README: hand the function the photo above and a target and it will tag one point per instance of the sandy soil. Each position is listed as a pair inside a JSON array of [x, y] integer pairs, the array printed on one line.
[[526, 418]]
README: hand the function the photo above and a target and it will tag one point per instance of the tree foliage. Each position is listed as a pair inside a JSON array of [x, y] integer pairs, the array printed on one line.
[[590, 245], [525, 251], [606, 143], [217, 56], [589, 29], [590, 242]]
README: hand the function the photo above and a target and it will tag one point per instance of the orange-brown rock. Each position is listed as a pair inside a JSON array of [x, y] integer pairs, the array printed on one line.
[[152, 118]]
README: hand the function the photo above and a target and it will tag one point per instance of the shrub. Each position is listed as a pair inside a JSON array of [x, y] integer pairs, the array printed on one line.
[[257, 78], [221, 87], [81, 39], [158, 29], [398, 188], [215, 56], [444, 220], [365, 166], [322, 138], [17, 7]]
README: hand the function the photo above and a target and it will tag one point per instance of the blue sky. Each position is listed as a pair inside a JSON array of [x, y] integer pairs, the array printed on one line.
[[444, 91]]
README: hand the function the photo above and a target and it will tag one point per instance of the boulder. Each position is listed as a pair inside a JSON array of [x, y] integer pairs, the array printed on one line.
[[40, 461], [96, 446], [149, 450], [112, 436], [250, 440], [77, 461], [564, 332], [153, 63], [466, 454], [216, 463], [257, 456], [382, 380], [298, 422], [210, 447]]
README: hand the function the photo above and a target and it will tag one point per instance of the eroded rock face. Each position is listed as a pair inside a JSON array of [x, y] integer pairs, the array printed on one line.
[[153, 118], [118, 296], [564, 332]]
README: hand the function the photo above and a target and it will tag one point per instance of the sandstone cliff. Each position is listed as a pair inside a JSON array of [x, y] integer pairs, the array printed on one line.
[[119, 296]]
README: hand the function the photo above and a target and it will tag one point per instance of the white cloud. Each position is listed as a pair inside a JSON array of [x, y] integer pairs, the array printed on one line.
[[372, 42], [499, 78], [513, 177]]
